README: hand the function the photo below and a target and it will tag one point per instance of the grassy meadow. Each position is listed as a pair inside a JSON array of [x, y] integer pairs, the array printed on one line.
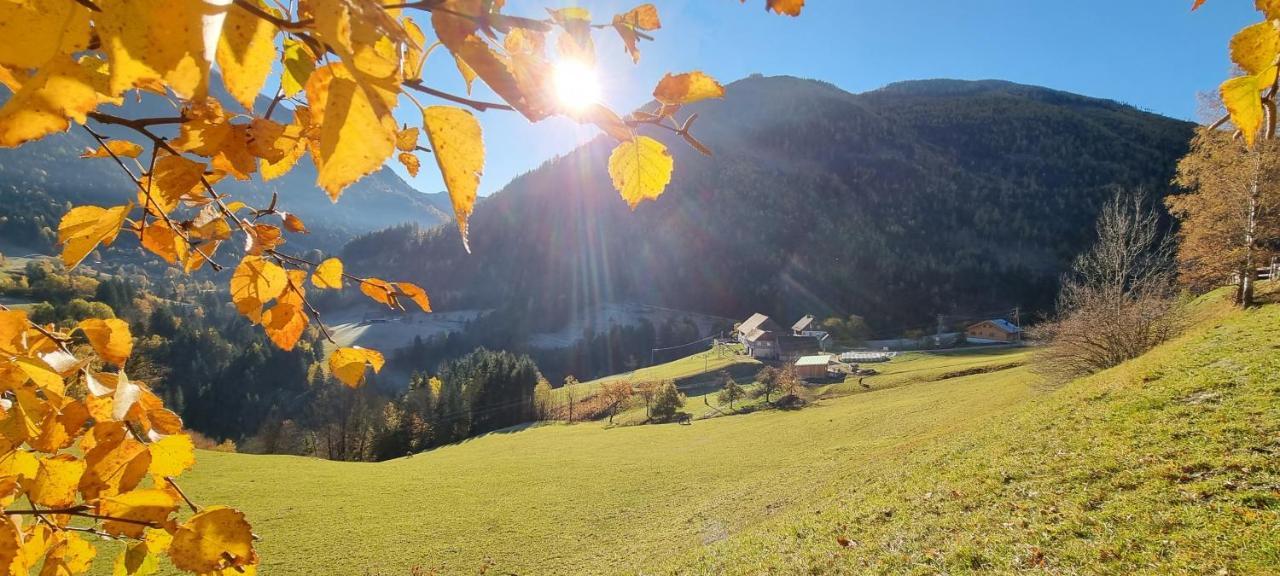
[[1167, 464]]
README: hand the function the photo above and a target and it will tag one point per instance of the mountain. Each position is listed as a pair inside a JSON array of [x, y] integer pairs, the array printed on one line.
[[919, 198], [39, 180]]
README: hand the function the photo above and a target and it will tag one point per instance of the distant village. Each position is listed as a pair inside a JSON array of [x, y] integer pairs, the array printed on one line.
[[814, 354]]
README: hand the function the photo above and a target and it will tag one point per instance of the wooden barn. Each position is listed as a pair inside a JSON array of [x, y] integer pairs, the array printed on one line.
[[813, 367], [998, 330]]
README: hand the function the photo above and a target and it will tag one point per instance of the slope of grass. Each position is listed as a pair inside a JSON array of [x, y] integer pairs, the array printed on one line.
[[1168, 464], [563, 499]]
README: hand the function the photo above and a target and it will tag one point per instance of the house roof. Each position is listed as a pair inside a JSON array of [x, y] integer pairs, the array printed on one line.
[[818, 360], [803, 324], [756, 326], [802, 345], [1000, 323]]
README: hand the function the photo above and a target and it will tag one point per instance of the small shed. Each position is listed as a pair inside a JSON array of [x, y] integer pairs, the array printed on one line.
[[813, 367], [998, 330], [802, 325]]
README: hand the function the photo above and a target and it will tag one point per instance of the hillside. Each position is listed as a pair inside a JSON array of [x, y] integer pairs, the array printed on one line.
[[37, 185], [896, 204], [1165, 464]]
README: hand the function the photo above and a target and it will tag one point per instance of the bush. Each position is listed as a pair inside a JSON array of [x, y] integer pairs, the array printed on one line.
[[667, 401]]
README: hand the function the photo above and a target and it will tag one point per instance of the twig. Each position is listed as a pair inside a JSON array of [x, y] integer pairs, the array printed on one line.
[[479, 105], [272, 18], [89, 4], [81, 512], [190, 504]]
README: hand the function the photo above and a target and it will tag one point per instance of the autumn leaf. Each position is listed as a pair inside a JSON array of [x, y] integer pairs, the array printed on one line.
[[294, 224], [70, 555], [680, 89], [115, 464], [254, 283], [36, 31], [56, 481], [415, 54], [121, 148], [171, 455], [298, 66], [62, 90], [380, 291], [149, 40], [83, 228], [410, 163], [643, 17], [173, 179], [1243, 100], [357, 133], [348, 364], [217, 538], [407, 139], [458, 147], [139, 508], [640, 169], [164, 242], [245, 52], [284, 324], [1256, 47], [328, 275], [415, 293], [110, 338], [790, 7]]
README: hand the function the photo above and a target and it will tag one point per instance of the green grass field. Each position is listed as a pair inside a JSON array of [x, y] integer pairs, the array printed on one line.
[[1168, 464]]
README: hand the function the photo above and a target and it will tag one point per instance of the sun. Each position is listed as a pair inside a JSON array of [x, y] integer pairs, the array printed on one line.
[[576, 85]]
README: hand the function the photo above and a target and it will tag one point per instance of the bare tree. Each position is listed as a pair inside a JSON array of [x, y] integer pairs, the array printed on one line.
[[1118, 300]]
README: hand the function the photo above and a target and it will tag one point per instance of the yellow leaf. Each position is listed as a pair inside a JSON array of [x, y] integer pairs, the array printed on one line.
[[407, 139], [1269, 8], [1256, 47], [61, 89], [122, 148], [262, 237], [115, 464], [215, 539], [284, 324], [162, 241], [410, 163], [84, 227], [643, 17], [55, 482], [291, 143], [205, 129], [521, 82], [245, 53], [110, 338], [676, 89], [458, 147], [357, 133], [415, 293], [173, 179], [328, 275], [414, 54], [70, 555], [37, 30], [149, 40], [468, 74], [255, 282], [380, 291], [787, 7], [294, 224], [40, 373], [298, 66], [347, 364], [61, 427], [234, 156], [640, 169], [1241, 96], [13, 324], [172, 455], [149, 505]]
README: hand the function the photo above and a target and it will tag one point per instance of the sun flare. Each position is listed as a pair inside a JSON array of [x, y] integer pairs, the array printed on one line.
[[576, 85]]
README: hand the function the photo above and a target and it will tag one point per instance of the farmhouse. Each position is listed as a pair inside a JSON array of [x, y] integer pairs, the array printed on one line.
[[764, 339], [813, 367], [998, 330]]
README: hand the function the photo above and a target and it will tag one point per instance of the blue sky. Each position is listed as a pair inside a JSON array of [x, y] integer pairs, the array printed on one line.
[[1154, 54]]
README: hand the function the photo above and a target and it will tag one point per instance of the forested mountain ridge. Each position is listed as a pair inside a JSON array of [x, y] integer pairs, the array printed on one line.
[[918, 198], [39, 181]]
